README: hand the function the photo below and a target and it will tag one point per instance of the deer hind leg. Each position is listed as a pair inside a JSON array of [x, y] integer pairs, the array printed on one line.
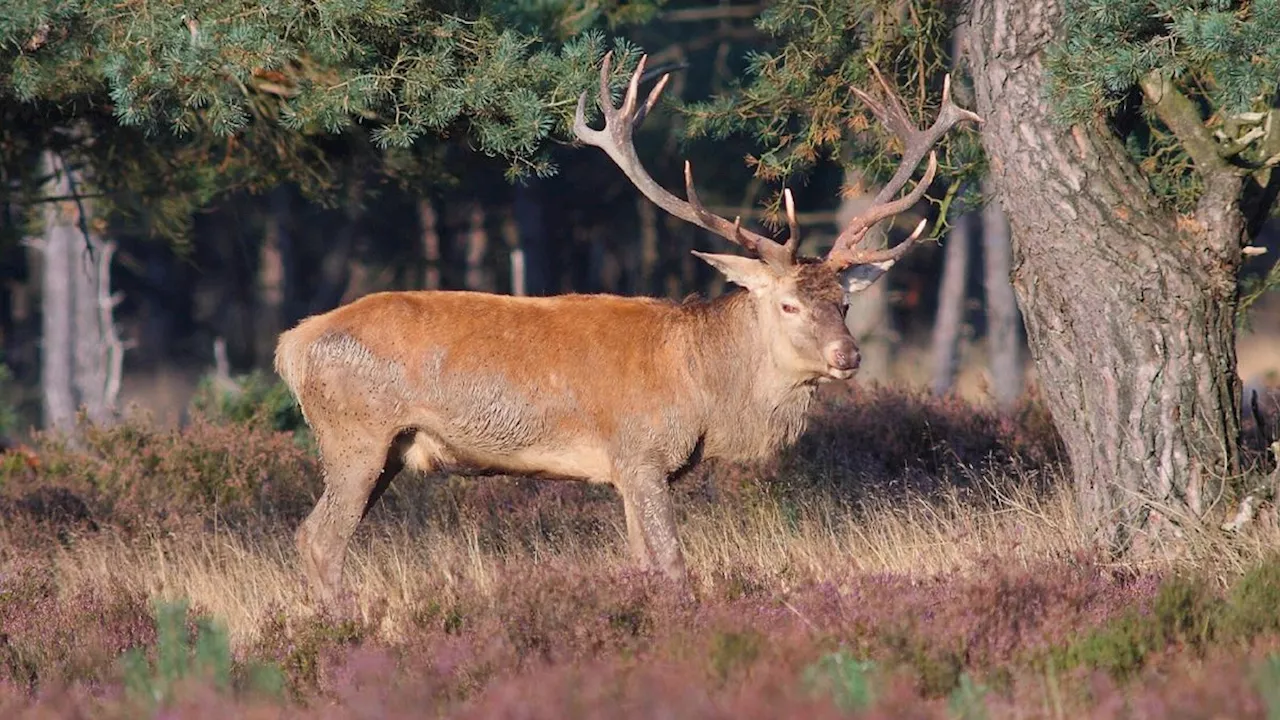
[[357, 471], [651, 523]]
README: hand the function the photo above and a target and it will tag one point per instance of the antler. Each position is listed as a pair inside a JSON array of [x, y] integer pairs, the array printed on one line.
[[917, 143], [615, 138]]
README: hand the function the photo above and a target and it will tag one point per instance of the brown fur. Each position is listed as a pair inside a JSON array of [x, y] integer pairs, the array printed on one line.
[[587, 387]]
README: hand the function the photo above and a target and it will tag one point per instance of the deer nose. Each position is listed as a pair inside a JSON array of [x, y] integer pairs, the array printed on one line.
[[843, 356]]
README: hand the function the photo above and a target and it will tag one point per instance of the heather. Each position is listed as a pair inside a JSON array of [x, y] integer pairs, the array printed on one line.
[[912, 557]]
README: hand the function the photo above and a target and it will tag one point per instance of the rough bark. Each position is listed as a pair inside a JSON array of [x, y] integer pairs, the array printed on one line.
[[1128, 308], [951, 303], [1004, 322]]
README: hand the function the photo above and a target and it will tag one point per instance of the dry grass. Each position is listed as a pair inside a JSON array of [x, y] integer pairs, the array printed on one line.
[[396, 566]]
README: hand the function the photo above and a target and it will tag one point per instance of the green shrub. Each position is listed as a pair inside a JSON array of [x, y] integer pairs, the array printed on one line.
[[1187, 612], [968, 699], [153, 676], [304, 648], [1253, 605], [1267, 680], [847, 679], [937, 667], [260, 397]]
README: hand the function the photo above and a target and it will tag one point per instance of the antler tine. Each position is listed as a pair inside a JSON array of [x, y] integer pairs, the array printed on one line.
[[631, 118], [605, 99], [778, 255], [858, 256], [916, 144], [858, 226], [615, 138], [793, 225], [628, 109]]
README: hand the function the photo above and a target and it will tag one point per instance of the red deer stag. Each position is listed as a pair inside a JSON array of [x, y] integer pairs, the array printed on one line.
[[623, 390]]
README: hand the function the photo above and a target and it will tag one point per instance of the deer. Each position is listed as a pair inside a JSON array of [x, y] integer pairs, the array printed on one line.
[[625, 390]]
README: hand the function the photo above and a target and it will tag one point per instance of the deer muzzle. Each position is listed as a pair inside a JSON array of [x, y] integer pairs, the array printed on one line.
[[842, 359]]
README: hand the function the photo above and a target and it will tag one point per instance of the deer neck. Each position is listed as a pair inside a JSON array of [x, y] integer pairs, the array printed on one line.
[[751, 409]]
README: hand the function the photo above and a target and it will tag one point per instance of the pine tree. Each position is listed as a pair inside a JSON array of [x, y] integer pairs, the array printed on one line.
[[173, 103], [1134, 146]]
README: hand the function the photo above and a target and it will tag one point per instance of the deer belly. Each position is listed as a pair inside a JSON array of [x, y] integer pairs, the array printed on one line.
[[576, 461]]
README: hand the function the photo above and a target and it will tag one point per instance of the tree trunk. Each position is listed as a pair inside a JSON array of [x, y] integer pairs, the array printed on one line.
[[93, 355], [515, 254], [1129, 309], [339, 261], [478, 275], [648, 213], [527, 207], [83, 358], [1003, 320], [57, 301], [237, 304], [271, 273], [951, 304], [429, 224]]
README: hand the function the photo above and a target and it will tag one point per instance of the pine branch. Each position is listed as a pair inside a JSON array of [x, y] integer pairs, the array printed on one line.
[[1177, 112], [1265, 189]]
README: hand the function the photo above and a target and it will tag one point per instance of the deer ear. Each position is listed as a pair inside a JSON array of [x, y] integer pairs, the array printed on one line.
[[748, 272], [860, 277]]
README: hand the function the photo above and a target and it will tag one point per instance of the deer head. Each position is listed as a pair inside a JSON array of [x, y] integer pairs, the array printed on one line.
[[800, 302]]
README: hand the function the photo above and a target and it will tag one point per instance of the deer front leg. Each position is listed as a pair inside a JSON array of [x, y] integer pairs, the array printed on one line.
[[651, 523]]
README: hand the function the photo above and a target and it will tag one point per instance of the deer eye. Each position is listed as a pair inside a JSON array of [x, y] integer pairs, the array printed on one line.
[[789, 309]]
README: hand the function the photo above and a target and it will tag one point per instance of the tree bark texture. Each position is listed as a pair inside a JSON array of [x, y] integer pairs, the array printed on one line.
[[1004, 322], [951, 304], [1129, 308]]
